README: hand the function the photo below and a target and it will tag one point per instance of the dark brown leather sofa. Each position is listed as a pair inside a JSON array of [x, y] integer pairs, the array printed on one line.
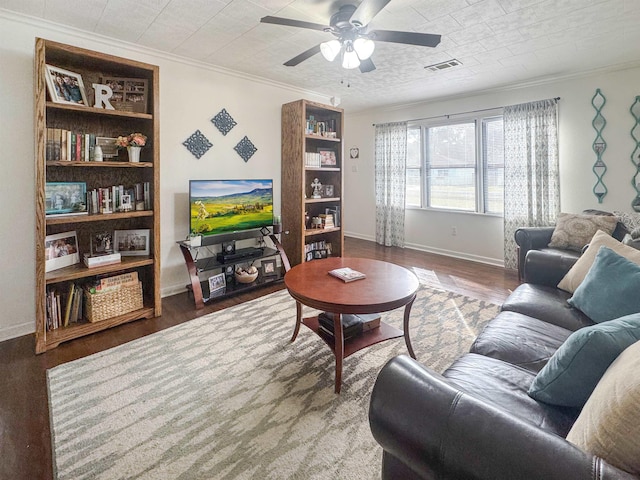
[[476, 420], [538, 238]]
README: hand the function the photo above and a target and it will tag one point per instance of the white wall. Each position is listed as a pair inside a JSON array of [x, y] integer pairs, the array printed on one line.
[[480, 237], [190, 95]]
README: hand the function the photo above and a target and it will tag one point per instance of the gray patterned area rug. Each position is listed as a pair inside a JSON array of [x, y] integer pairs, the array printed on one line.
[[227, 396]]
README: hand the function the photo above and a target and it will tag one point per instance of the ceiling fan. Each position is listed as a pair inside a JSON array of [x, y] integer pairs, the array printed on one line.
[[353, 39]]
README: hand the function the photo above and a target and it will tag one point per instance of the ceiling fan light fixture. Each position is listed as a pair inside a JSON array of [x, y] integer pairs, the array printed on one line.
[[350, 58], [364, 47], [330, 49]]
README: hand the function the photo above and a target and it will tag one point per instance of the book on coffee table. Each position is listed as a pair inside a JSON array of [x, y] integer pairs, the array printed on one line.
[[347, 274], [352, 324]]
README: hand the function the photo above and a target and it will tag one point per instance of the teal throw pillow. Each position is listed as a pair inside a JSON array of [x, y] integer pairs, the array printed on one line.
[[610, 288], [573, 372]]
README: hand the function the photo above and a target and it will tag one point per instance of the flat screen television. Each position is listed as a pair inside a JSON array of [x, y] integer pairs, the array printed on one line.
[[229, 206]]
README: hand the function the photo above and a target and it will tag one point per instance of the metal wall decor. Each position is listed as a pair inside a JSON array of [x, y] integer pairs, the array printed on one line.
[[245, 148], [599, 145], [223, 121], [635, 155], [197, 144]]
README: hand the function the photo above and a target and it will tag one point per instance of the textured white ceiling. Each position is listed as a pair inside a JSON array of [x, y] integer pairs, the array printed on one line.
[[499, 42]]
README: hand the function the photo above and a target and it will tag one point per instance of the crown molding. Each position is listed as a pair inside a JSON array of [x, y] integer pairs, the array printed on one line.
[[139, 49]]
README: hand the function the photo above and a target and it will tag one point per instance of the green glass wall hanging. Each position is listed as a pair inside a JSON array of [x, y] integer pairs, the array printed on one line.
[[635, 155], [599, 145]]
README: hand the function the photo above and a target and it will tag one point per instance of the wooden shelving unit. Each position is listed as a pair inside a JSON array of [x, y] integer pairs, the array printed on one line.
[[297, 177], [94, 66]]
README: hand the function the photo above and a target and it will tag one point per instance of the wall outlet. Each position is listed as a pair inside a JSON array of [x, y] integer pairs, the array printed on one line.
[[454, 231]]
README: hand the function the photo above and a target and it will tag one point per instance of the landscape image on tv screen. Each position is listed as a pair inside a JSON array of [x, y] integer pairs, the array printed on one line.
[[226, 206]]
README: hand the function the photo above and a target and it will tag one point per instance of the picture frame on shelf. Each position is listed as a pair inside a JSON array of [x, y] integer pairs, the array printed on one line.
[[269, 268], [108, 146], [328, 190], [61, 250], [101, 243], [65, 86], [129, 94], [65, 198], [327, 157], [217, 282], [132, 242]]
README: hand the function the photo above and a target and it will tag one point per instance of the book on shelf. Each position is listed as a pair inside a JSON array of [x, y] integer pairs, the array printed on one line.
[[66, 145], [118, 198], [347, 274], [114, 282], [327, 220], [63, 309], [101, 259]]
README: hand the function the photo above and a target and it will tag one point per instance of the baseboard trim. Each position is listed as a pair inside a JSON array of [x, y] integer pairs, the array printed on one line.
[[496, 262], [16, 331]]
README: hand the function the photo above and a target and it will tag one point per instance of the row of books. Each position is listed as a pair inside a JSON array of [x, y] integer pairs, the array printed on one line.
[[325, 128], [64, 308], [312, 159], [66, 145], [59, 315], [352, 324], [119, 199]]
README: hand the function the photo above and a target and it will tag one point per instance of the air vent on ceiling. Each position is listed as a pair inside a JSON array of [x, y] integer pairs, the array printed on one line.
[[443, 65]]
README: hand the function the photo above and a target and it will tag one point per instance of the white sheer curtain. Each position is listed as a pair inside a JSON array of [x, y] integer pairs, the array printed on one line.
[[531, 180], [390, 158]]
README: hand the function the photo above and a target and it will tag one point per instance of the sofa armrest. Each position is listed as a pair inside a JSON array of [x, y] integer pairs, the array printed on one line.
[[544, 269], [531, 238], [438, 431]]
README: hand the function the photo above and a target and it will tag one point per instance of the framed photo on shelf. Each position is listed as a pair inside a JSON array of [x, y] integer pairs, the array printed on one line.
[[65, 86], [269, 268], [108, 146], [132, 242], [101, 243], [65, 198], [327, 157], [129, 94], [328, 190], [217, 282], [61, 250]]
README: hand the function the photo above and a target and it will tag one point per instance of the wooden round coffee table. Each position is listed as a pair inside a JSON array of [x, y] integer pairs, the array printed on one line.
[[386, 287]]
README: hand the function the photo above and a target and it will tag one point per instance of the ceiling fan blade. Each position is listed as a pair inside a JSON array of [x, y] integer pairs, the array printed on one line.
[[410, 38], [367, 65], [367, 10], [293, 23], [303, 56]]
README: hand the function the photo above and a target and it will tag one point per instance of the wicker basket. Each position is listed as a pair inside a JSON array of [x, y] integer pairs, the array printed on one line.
[[104, 305]]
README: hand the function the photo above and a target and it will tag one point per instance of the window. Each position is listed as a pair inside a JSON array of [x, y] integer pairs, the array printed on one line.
[[456, 165]]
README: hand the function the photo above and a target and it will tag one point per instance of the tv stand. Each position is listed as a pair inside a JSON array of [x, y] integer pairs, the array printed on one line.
[[221, 263], [240, 255]]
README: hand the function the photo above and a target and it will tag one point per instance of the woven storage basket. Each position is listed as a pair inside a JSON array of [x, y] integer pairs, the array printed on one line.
[[103, 305]]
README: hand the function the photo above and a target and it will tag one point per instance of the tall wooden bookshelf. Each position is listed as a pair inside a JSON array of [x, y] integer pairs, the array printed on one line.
[[307, 128], [94, 67]]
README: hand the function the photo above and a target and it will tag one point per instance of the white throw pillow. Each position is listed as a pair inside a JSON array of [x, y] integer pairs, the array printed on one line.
[[575, 276], [608, 424]]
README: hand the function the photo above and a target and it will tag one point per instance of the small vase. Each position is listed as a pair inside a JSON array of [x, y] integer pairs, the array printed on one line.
[[134, 154], [97, 153]]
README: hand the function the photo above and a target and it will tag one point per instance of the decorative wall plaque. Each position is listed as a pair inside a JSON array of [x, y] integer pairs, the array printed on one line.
[[635, 154], [599, 145], [245, 149], [223, 121], [197, 144]]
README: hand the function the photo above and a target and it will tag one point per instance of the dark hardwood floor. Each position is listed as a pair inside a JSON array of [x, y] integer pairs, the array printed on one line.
[[25, 441]]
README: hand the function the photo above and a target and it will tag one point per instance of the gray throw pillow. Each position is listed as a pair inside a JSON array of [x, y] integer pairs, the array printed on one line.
[[573, 230]]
